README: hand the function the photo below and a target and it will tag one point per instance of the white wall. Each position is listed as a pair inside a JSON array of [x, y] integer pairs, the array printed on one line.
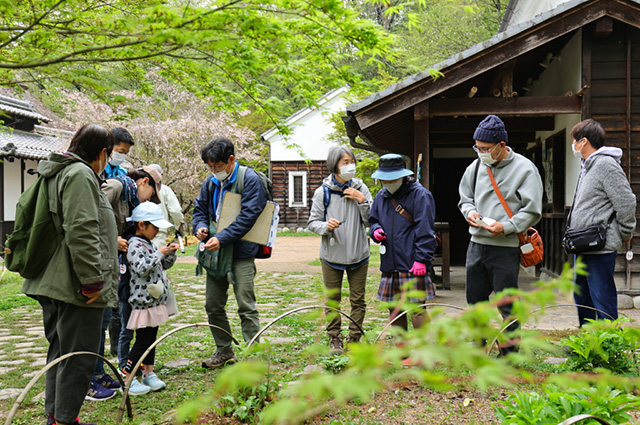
[[564, 74], [526, 10], [309, 132], [12, 188]]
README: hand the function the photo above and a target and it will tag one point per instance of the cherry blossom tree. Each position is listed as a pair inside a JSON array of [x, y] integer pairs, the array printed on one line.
[[169, 126]]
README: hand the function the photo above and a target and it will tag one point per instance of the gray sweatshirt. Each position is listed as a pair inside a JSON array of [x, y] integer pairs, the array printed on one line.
[[351, 244], [602, 189], [520, 184]]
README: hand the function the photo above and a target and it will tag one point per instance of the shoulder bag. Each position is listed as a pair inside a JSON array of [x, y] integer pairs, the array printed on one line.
[[588, 239], [531, 247]]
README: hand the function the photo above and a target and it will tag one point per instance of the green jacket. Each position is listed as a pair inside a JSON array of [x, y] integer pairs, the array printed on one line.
[[88, 253]]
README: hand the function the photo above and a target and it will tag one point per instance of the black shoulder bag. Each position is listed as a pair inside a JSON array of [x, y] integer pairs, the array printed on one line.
[[588, 239]]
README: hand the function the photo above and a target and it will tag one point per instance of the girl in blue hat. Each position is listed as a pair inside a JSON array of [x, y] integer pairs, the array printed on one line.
[[149, 291]]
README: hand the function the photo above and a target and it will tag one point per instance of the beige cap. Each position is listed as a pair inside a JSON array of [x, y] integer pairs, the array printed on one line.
[[157, 177]]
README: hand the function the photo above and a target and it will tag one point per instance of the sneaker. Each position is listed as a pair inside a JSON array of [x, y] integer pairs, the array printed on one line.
[[219, 360], [51, 420], [108, 382], [97, 392], [152, 381], [137, 388], [336, 345]]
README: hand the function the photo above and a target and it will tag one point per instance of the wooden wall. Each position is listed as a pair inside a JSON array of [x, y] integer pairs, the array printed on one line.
[[294, 217], [611, 69]]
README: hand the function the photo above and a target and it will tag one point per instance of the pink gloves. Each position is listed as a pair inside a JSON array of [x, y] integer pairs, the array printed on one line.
[[418, 269], [378, 235]]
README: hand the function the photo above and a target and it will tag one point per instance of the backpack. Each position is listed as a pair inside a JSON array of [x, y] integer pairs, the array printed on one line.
[[36, 235]]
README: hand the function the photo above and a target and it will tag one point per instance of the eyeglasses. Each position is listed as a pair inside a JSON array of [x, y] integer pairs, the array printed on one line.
[[217, 167], [578, 141], [485, 150]]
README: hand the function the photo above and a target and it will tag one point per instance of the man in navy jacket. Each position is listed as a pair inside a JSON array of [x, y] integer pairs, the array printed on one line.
[[219, 155]]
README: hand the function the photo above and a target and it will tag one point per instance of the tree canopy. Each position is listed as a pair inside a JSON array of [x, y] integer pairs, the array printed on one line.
[[235, 51]]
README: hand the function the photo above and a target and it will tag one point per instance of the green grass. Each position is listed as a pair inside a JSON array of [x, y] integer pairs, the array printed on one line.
[[290, 233]]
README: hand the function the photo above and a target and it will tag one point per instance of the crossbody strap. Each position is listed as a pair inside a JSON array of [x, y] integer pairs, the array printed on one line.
[[502, 201], [400, 210]]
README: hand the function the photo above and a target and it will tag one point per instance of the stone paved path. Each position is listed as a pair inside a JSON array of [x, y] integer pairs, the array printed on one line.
[[23, 345]]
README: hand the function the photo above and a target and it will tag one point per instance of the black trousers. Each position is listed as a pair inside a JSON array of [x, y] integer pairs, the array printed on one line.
[[69, 328], [145, 337], [491, 269]]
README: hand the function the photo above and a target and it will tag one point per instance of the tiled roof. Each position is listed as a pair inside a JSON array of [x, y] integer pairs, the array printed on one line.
[[20, 107], [21, 144]]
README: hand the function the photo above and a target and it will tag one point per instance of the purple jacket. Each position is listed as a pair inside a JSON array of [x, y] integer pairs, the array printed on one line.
[[405, 242]]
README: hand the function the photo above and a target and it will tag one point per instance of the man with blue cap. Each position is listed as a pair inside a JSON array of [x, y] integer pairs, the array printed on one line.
[[402, 220], [493, 256]]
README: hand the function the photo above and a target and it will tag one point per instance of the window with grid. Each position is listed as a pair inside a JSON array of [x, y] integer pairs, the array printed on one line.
[[297, 188]]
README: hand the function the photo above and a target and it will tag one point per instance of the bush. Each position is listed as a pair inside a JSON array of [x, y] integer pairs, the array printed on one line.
[[555, 406], [604, 344]]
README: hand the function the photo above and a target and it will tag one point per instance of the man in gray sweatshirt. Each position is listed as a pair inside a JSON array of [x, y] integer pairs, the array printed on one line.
[[603, 193], [493, 256]]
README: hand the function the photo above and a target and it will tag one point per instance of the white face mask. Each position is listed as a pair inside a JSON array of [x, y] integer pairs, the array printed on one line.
[[393, 186], [117, 158], [576, 153], [486, 158], [221, 175], [347, 172]]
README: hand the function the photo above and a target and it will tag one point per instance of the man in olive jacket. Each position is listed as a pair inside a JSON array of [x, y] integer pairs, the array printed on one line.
[[80, 279]]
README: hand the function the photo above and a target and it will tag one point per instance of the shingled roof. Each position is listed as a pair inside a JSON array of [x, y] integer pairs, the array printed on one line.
[[22, 144]]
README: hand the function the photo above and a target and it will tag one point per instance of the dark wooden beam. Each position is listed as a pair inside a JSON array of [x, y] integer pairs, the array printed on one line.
[[469, 124], [542, 105], [421, 141], [496, 55], [466, 139], [586, 73], [507, 78]]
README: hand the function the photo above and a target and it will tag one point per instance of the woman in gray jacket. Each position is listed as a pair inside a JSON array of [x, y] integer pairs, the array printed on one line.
[[340, 213]]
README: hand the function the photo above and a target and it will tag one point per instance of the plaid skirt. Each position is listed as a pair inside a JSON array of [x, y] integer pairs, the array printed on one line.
[[392, 285]]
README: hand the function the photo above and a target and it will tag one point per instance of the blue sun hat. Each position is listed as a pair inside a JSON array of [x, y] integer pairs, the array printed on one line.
[[391, 167], [151, 212]]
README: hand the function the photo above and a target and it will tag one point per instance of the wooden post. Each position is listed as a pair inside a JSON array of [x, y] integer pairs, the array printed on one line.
[[421, 140]]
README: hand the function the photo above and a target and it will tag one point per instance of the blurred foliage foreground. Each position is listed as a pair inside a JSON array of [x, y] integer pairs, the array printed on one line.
[[448, 350]]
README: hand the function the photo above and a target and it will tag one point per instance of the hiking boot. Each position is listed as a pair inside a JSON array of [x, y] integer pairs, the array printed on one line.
[[97, 392], [152, 381], [219, 360], [336, 345], [137, 388], [108, 382]]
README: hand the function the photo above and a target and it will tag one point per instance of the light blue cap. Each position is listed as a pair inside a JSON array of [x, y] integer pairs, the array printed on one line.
[[151, 212]]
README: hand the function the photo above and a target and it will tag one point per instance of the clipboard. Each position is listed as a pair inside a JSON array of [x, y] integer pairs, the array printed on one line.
[[263, 231]]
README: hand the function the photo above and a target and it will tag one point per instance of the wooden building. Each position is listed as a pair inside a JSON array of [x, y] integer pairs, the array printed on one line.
[[579, 59], [22, 144], [297, 162]]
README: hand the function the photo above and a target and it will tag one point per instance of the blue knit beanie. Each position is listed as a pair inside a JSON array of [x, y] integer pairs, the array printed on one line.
[[491, 130]]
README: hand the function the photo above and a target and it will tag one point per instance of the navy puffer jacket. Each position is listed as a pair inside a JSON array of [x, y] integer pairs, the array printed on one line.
[[406, 243]]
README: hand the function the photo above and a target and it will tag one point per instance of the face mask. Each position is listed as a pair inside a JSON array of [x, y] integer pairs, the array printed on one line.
[[221, 175], [103, 165], [117, 158], [392, 187], [576, 153], [347, 172]]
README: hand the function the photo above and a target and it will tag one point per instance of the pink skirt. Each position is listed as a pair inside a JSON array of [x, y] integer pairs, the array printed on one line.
[[148, 318]]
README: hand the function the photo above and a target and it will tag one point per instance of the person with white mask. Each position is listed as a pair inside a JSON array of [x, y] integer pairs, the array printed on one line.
[[123, 144], [402, 220], [603, 196], [493, 255], [340, 213]]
